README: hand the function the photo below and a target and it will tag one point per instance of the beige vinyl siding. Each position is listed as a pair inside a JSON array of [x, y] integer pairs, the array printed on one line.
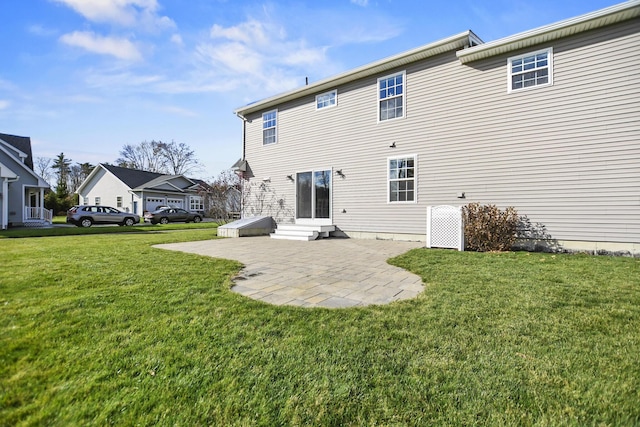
[[567, 155]]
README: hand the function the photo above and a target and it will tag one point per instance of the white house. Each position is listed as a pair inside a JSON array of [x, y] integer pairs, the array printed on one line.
[[136, 191], [546, 121]]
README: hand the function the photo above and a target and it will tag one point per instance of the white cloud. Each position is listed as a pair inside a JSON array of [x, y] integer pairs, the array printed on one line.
[[360, 2], [250, 32], [39, 30], [179, 111], [118, 47], [259, 55], [127, 13], [121, 80], [4, 104], [177, 39]]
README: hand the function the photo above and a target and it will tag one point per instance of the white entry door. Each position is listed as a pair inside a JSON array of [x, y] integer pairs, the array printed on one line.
[[313, 197]]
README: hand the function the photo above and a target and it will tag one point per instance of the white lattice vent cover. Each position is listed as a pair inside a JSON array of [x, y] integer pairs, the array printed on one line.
[[444, 227]]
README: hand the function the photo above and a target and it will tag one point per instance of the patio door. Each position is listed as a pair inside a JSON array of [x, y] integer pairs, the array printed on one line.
[[313, 197]]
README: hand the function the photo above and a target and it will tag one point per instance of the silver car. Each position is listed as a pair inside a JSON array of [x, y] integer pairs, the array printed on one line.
[[87, 215]]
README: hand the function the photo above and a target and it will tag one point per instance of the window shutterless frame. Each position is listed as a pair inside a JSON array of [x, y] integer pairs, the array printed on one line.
[[530, 70], [327, 100], [270, 127], [402, 179], [392, 96]]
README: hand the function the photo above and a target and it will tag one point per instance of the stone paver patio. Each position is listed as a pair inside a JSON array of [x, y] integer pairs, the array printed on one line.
[[332, 273]]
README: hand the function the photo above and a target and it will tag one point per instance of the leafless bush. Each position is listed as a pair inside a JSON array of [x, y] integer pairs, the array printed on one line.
[[487, 228]]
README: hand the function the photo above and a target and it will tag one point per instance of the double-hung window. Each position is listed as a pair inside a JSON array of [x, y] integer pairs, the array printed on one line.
[[326, 100], [531, 70], [402, 179], [269, 127], [391, 95]]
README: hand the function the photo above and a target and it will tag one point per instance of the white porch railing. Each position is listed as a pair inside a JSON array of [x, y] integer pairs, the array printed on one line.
[[38, 215]]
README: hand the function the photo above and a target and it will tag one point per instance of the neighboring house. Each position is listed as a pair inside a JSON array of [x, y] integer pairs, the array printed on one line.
[[137, 191], [21, 189], [547, 121]]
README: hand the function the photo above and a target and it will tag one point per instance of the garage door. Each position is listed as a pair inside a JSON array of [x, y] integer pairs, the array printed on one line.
[[176, 203], [153, 203]]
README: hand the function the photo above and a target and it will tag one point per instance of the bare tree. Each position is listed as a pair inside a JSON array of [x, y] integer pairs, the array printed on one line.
[[222, 196], [179, 158], [43, 168], [144, 156], [160, 157], [77, 174]]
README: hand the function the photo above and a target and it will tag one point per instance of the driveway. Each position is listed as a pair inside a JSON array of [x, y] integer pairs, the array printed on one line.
[[333, 273]]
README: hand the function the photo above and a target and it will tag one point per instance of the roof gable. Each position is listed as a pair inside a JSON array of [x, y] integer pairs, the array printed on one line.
[[169, 183], [22, 144], [133, 178]]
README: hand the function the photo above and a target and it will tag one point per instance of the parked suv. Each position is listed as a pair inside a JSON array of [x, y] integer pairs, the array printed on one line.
[[87, 215]]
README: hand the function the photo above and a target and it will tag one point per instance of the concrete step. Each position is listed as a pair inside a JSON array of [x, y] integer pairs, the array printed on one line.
[[302, 231], [287, 236], [303, 227]]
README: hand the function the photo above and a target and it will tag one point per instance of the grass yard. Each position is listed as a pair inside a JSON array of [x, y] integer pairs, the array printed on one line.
[[105, 329], [101, 229]]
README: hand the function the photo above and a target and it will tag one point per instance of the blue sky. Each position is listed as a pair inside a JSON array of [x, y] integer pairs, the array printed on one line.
[[86, 77]]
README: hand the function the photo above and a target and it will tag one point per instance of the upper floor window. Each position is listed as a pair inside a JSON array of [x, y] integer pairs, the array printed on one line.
[[391, 96], [97, 201], [269, 125], [325, 100], [119, 201], [402, 179], [531, 70]]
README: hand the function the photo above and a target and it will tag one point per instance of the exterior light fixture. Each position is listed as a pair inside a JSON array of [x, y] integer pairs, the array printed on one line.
[[393, 145], [290, 178]]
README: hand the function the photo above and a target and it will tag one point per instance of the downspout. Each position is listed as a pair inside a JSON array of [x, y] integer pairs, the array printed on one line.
[[244, 133], [244, 148]]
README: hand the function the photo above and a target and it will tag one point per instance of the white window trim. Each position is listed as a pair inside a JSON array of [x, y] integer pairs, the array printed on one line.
[[196, 200], [510, 60], [415, 180], [335, 91], [275, 127], [404, 95]]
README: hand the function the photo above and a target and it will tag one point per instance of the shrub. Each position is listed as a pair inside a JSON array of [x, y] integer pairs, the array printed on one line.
[[487, 228]]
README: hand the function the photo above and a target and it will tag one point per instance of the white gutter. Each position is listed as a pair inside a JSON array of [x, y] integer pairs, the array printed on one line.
[[455, 42], [600, 18]]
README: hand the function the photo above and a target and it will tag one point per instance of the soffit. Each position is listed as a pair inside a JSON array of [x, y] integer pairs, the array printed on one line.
[[604, 17]]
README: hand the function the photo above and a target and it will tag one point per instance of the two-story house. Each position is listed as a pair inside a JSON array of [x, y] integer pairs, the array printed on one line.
[[546, 121], [21, 189]]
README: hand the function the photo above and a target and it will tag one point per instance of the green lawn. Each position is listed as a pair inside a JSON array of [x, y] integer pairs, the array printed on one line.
[[105, 329], [100, 229]]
